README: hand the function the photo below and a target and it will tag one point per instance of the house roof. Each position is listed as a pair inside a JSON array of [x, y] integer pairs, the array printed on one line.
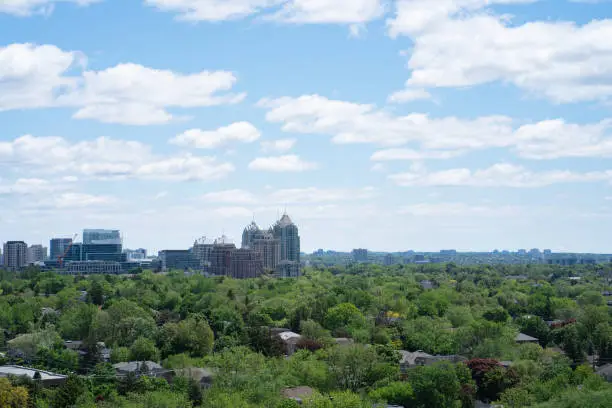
[[133, 366], [19, 371], [522, 337], [289, 336], [605, 370], [410, 357], [344, 341]]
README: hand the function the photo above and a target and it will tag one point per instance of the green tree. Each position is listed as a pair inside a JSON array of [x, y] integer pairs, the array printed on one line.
[[344, 315], [144, 349], [396, 393], [435, 386]]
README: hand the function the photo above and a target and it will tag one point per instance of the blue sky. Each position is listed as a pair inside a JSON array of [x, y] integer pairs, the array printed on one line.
[[391, 125]]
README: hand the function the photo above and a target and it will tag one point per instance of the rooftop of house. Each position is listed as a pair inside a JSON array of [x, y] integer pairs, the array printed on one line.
[[289, 336], [522, 337], [134, 366], [18, 371], [605, 370], [344, 341], [410, 357]]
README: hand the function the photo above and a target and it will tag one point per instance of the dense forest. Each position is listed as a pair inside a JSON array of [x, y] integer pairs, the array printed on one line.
[[351, 334]]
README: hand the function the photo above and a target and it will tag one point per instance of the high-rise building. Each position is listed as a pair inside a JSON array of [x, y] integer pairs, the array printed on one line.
[[263, 242], [286, 232], [15, 255], [202, 252], [389, 260], [58, 246], [221, 257], [36, 253], [360, 255], [246, 263], [101, 236]]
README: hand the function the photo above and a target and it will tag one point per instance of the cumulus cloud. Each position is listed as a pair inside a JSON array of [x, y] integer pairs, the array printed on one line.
[[289, 11], [410, 154], [107, 158], [279, 146], [348, 122], [559, 60], [243, 132], [319, 195], [291, 163], [29, 7], [498, 175], [458, 210], [27, 186], [37, 76]]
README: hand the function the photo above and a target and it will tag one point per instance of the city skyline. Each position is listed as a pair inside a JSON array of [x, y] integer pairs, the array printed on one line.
[[391, 125]]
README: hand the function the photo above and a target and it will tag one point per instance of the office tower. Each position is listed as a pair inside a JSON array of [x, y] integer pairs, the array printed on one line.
[[263, 242], [360, 255], [15, 255], [101, 236], [58, 246], [135, 254], [182, 259], [36, 253], [246, 263]]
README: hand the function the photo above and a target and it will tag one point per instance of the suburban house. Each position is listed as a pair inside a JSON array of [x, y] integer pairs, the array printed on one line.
[[290, 341], [523, 338], [148, 368], [48, 379], [420, 358], [606, 372]]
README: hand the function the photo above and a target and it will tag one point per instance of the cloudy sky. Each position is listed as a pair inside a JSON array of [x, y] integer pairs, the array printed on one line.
[[386, 124]]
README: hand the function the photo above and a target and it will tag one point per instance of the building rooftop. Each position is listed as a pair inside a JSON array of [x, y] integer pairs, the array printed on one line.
[[134, 366], [522, 337], [19, 371], [285, 220]]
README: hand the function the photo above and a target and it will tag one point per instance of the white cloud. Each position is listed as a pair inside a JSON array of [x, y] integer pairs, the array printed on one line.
[[348, 122], [292, 163], [280, 145], [106, 158], [552, 139], [81, 200], [39, 76], [29, 7], [243, 132], [235, 196], [409, 95], [26, 186], [289, 11], [562, 61], [319, 195], [324, 11], [409, 154], [458, 210], [498, 175]]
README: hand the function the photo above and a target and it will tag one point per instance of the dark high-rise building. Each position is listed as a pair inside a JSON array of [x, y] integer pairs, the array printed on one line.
[[15, 255], [287, 233], [246, 263], [360, 255], [263, 242], [221, 257], [58, 246]]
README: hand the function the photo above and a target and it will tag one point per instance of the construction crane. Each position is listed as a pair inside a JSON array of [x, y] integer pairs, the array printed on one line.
[[60, 258]]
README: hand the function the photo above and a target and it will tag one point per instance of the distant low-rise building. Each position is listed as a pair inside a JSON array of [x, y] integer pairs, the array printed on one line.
[[360, 255], [47, 378]]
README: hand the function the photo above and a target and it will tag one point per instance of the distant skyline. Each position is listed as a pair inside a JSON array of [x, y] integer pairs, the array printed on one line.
[[382, 124]]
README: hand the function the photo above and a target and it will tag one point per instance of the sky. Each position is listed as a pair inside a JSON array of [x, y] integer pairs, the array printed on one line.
[[391, 125]]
